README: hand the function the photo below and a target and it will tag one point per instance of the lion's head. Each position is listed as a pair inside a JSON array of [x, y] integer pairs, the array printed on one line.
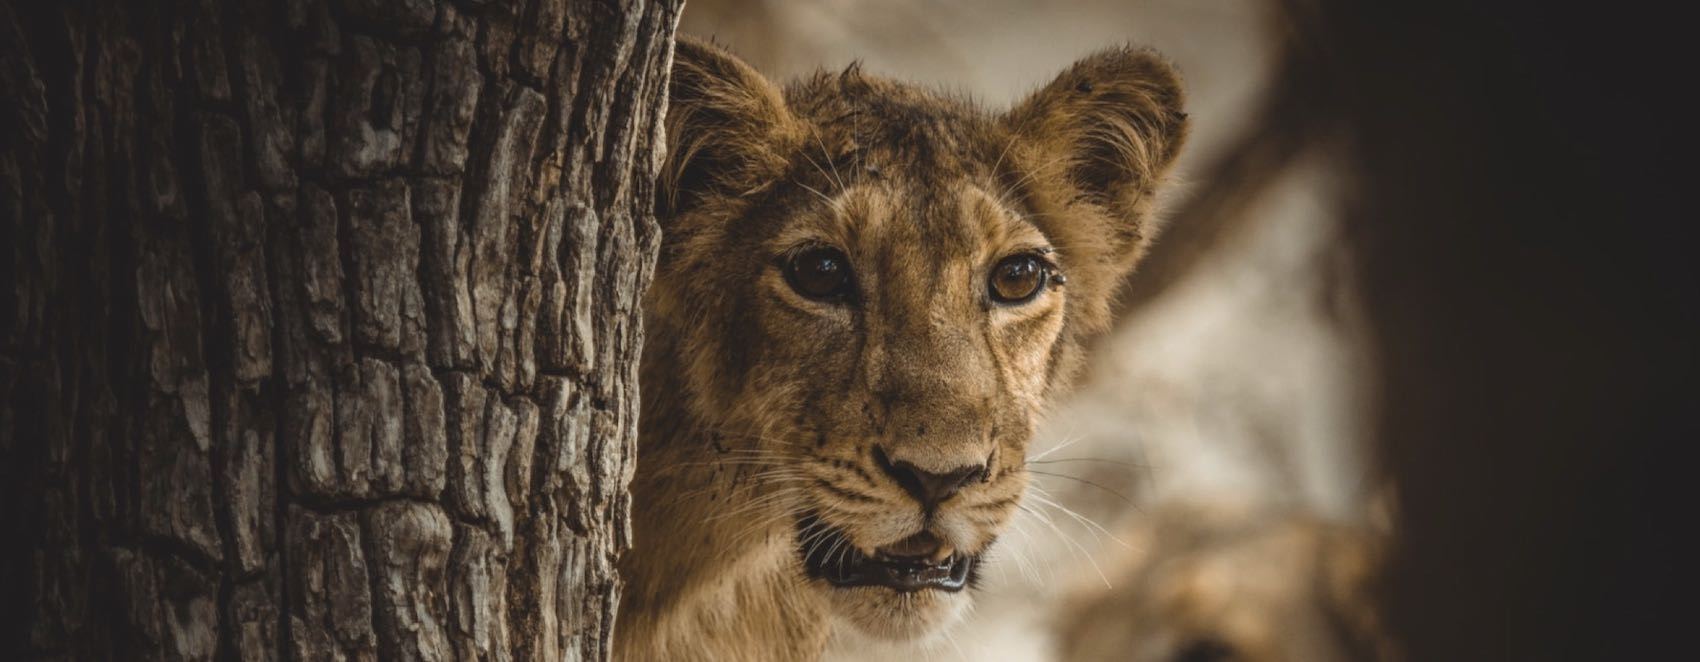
[[867, 292]]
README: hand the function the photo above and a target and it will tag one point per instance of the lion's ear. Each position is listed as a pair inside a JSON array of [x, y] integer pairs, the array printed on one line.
[[1105, 133], [726, 126]]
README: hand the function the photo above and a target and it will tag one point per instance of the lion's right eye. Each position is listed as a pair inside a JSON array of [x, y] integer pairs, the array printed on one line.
[[819, 273]]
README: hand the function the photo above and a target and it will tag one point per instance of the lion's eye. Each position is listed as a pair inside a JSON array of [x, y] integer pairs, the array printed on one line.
[[819, 273], [1018, 278]]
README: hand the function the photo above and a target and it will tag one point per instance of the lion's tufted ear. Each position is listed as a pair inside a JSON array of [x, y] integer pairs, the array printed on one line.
[[1099, 140], [726, 127]]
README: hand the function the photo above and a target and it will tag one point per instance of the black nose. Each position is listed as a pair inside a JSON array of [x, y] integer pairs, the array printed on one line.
[[929, 488]]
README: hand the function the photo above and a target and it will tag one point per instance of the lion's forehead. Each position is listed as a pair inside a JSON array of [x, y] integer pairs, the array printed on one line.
[[895, 123]]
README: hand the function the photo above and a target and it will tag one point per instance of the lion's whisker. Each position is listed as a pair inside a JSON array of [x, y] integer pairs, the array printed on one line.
[[828, 154], [1043, 497], [1083, 481], [1075, 544], [1069, 442], [1024, 561], [1134, 465]]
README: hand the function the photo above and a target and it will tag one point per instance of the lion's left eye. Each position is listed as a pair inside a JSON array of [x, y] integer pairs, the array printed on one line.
[[1018, 278]]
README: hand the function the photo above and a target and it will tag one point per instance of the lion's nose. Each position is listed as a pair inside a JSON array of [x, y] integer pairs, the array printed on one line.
[[928, 487]]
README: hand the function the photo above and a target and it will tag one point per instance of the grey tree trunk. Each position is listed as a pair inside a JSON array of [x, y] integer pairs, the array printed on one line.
[[320, 324]]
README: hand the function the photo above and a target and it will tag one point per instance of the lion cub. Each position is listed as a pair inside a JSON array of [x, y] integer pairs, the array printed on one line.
[[867, 294]]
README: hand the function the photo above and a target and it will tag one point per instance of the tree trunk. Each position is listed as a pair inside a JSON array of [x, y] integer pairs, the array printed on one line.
[[320, 323]]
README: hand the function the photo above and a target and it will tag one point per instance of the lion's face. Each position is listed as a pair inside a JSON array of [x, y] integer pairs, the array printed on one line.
[[906, 335], [867, 293]]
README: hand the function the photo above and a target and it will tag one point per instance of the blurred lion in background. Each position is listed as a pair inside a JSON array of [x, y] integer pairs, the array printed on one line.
[[1219, 582]]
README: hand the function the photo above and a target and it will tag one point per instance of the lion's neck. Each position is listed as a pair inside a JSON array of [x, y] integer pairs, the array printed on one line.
[[709, 576]]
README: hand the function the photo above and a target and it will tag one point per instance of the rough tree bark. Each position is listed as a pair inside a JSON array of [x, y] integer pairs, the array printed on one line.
[[320, 323]]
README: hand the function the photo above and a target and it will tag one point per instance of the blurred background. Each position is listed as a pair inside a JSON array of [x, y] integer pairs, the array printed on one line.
[[1205, 495]]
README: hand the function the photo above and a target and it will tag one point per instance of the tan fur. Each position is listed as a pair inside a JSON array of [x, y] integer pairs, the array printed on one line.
[[1225, 581], [760, 404]]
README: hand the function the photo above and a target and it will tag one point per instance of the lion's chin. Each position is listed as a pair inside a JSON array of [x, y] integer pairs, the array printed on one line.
[[887, 614]]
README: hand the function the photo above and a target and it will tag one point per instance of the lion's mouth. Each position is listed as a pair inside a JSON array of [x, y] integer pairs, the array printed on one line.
[[919, 562]]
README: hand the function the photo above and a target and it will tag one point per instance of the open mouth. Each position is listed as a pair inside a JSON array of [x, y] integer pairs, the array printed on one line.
[[918, 562]]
